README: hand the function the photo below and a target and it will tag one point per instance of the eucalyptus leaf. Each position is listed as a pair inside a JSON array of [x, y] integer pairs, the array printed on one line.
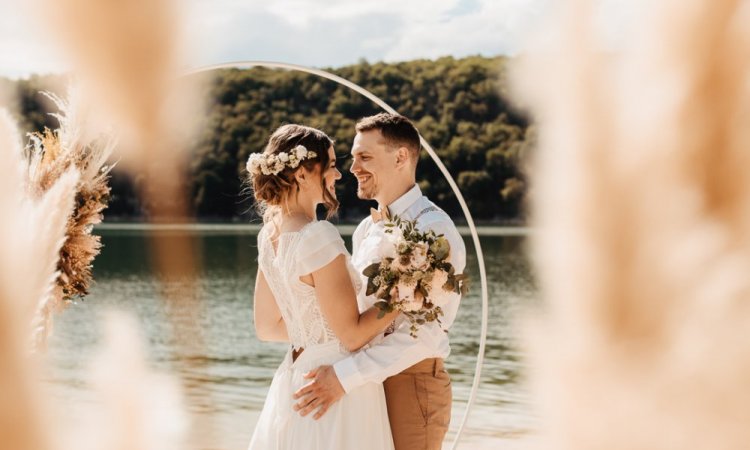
[[371, 270], [371, 287]]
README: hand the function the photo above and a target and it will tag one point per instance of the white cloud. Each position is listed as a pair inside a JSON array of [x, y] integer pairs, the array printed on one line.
[[321, 33], [337, 32], [25, 47], [492, 27]]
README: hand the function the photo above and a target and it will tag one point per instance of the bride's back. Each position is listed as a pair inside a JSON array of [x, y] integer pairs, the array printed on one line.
[[297, 254]]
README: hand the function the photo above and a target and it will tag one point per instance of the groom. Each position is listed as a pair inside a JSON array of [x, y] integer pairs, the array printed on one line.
[[417, 387]]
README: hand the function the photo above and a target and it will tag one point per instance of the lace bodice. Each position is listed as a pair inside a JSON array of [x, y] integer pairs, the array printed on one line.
[[297, 254]]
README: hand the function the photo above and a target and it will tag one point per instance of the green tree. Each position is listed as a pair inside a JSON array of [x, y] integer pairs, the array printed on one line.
[[457, 104]]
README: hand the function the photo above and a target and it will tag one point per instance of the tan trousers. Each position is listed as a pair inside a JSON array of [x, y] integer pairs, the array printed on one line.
[[419, 405]]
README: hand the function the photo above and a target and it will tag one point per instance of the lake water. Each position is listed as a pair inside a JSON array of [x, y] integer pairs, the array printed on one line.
[[227, 375]]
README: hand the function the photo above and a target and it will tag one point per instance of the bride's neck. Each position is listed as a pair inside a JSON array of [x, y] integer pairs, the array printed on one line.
[[296, 209]]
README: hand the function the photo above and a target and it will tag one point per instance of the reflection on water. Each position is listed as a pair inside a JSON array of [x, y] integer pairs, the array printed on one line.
[[226, 382]]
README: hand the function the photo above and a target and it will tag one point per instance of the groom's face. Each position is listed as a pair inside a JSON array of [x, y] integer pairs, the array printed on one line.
[[372, 163]]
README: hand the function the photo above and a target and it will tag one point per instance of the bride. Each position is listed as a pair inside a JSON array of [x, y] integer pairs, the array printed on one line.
[[305, 294]]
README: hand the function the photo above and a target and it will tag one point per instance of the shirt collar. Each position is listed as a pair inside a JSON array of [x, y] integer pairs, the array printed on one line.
[[402, 203]]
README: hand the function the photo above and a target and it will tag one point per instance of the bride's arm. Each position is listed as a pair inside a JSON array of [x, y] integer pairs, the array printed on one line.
[[269, 326], [338, 303]]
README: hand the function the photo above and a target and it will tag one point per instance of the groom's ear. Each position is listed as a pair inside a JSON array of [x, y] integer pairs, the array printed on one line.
[[402, 156]]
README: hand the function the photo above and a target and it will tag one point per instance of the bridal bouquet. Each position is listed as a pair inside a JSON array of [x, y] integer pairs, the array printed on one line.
[[413, 275]]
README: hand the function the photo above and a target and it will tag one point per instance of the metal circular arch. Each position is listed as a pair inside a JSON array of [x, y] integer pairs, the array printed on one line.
[[446, 174]]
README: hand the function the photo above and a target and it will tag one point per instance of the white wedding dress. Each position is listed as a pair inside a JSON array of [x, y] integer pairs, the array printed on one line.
[[360, 419]]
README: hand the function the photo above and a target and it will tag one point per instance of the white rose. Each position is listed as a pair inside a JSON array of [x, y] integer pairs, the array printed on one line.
[[387, 247], [395, 234], [283, 157], [419, 256], [300, 151]]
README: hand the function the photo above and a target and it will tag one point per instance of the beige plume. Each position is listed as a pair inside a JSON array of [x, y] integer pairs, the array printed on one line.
[[644, 217]]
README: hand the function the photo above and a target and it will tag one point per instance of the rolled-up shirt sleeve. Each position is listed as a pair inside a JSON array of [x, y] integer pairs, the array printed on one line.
[[399, 350]]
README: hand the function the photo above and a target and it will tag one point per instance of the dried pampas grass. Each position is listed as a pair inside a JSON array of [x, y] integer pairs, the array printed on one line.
[[135, 408], [127, 55], [31, 233], [643, 213], [53, 154], [127, 59]]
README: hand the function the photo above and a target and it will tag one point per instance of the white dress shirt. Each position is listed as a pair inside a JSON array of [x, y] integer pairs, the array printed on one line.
[[389, 355]]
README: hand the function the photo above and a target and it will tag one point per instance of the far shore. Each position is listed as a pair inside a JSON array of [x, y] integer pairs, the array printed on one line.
[[252, 228]]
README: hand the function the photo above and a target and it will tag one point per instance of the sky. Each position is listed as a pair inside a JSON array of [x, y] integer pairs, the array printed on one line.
[[317, 33]]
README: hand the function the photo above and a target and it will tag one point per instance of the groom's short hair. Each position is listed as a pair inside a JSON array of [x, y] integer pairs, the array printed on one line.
[[396, 129]]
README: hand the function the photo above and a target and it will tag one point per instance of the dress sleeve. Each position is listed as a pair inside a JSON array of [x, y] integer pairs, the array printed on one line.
[[260, 241], [321, 243]]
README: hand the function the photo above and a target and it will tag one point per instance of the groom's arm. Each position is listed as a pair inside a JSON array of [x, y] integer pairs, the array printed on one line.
[[395, 353], [392, 355]]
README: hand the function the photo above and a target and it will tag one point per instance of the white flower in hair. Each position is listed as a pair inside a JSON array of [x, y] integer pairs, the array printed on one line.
[[301, 152], [273, 164], [253, 164], [264, 167]]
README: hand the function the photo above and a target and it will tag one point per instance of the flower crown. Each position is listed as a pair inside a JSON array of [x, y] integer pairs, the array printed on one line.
[[274, 163]]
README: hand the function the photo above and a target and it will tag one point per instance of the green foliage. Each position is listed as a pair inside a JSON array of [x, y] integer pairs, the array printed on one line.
[[456, 104]]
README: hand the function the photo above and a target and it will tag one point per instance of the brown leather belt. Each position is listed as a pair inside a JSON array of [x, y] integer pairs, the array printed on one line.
[[429, 365]]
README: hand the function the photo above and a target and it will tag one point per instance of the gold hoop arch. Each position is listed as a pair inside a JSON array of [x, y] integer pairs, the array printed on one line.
[[469, 220]]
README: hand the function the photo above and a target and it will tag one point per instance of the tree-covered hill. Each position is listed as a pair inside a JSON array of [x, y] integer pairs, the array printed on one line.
[[456, 104]]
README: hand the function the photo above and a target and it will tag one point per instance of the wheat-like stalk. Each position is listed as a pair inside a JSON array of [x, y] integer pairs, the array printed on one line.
[[643, 211], [51, 154], [136, 408], [32, 231]]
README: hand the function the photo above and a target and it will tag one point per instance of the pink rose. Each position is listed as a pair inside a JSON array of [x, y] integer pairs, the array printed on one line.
[[415, 303], [438, 295], [410, 300], [439, 278]]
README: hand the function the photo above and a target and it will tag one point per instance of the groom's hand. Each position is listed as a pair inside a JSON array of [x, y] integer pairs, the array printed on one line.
[[323, 391]]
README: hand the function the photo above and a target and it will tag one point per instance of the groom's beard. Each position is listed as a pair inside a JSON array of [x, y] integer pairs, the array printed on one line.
[[368, 189], [367, 193]]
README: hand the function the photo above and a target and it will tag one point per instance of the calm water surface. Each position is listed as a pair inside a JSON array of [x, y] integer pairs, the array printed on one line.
[[227, 375]]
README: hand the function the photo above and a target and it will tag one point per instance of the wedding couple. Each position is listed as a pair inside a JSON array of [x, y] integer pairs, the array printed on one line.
[[350, 380]]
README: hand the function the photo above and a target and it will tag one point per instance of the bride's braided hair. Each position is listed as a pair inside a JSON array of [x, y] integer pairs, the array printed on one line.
[[271, 190]]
